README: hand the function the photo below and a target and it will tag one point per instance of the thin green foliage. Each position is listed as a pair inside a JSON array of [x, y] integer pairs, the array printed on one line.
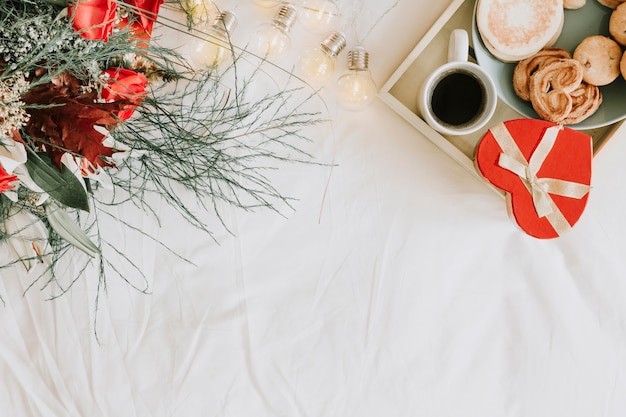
[[197, 142]]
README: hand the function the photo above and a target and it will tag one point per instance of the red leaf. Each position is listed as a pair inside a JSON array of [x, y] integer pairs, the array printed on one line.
[[68, 125]]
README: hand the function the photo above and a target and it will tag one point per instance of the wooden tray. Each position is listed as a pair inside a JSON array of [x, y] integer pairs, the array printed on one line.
[[400, 91]]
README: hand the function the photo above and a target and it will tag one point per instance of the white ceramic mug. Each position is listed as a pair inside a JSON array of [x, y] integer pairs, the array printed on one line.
[[459, 97]]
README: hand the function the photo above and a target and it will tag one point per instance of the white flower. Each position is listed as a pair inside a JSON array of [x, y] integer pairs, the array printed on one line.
[[12, 113], [13, 157], [12, 154]]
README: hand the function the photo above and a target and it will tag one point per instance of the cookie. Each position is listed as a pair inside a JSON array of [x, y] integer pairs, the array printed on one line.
[[585, 101], [551, 87], [612, 4], [600, 57], [622, 65], [617, 24], [574, 4], [553, 106], [527, 67]]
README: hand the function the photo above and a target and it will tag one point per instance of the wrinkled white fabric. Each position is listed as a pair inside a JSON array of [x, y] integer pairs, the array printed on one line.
[[397, 287]]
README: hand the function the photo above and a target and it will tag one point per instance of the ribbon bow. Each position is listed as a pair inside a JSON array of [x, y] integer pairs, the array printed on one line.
[[540, 189]]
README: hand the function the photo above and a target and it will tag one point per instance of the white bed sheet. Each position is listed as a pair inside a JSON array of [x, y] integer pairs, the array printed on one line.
[[396, 287]]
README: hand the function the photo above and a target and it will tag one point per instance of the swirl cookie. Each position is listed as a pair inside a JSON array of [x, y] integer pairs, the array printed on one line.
[[527, 67], [553, 106], [617, 24], [553, 82], [600, 57], [585, 101], [550, 89]]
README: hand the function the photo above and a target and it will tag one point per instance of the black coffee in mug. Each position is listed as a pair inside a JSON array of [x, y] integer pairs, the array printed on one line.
[[458, 98]]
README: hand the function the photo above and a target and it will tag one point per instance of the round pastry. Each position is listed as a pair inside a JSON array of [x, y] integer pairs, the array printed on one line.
[[515, 30], [527, 67], [612, 4], [574, 4], [600, 57], [622, 65], [617, 24]]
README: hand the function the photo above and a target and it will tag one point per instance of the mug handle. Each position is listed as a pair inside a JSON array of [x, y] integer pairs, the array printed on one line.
[[458, 47]]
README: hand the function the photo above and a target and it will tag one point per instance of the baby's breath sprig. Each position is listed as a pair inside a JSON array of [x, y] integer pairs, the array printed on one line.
[[12, 113]]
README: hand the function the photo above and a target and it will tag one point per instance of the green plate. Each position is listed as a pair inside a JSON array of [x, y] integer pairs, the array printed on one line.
[[592, 19]]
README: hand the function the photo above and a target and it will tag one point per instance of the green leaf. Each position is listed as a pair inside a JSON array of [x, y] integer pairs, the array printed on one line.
[[62, 185], [62, 223]]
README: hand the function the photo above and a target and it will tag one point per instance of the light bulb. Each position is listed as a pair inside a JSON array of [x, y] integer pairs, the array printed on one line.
[[201, 11], [272, 39], [356, 88], [267, 3], [216, 48], [319, 16], [317, 64]]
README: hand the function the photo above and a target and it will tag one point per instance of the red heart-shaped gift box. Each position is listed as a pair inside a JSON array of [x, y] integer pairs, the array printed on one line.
[[544, 170]]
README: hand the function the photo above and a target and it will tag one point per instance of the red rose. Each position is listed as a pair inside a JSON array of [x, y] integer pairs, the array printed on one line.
[[127, 86], [5, 180], [93, 19], [145, 14]]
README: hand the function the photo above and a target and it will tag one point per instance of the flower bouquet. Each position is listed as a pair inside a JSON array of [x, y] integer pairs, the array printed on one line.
[[95, 113]]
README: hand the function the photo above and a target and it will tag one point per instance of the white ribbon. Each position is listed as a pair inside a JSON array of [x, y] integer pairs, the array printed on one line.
[[540, 189]]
